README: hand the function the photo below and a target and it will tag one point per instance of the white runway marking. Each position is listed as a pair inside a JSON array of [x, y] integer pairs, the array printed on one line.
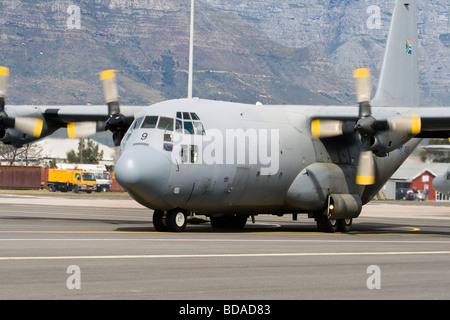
[[229, 255], [184, 240]]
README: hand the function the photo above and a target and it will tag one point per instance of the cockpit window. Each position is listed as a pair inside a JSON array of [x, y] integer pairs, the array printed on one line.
[[165, 124], [189, 123], [186, 116], [137, 123], [188, 127], [178, 126], [198, 128], [149, 122]]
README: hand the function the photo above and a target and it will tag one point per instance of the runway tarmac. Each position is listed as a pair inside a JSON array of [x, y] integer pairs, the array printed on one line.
[[56, 247]]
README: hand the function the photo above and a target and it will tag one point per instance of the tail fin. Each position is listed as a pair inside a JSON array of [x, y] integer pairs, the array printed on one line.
[[399, 79]]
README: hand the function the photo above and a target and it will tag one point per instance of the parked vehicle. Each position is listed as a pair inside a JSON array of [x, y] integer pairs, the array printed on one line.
[[410, 195], [103, 177], [419, 195], [71, 180], [400, 194]]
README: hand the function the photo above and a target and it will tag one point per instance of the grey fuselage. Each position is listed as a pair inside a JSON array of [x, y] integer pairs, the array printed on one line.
[[250, 159]]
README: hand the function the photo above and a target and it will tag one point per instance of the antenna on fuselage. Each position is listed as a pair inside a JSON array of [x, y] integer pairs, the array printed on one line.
[[191, 51]]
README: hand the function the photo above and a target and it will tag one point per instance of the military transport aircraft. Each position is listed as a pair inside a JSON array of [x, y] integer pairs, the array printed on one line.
[[231, 161]]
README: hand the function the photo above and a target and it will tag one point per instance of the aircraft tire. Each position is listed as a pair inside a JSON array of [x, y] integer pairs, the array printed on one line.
[[344, 225], [324, 224], [219, 222], [239, 221], [176, 220], [159, 221], [229, 221]]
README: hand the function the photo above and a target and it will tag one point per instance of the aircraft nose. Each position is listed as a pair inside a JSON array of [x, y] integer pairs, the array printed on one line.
[[143, 172]]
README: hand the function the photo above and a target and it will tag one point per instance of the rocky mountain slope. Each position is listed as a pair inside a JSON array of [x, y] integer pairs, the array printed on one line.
[[344, 34], [276, 51]]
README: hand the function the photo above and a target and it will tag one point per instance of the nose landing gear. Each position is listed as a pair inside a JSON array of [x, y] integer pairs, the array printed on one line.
[[170, 221]]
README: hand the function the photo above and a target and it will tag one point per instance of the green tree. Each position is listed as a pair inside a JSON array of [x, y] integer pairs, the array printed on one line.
[[89, 151]]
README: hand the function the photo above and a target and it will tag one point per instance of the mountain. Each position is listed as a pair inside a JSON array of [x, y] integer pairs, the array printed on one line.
[[340, 32], [275, 51]]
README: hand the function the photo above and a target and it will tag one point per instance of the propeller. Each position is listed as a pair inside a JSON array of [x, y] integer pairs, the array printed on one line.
[[36, 126], [116, 121], [367, 127], [31, 126]]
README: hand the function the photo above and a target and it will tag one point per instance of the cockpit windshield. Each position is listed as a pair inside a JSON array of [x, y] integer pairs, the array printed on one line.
[[149, 122], [189, 123], [165, 124], [185, 123]]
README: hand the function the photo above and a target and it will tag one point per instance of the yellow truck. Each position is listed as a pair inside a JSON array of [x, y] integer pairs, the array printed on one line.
[[71, 180]]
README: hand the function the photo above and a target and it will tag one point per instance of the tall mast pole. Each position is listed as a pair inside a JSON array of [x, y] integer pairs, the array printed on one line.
[[191, 51]]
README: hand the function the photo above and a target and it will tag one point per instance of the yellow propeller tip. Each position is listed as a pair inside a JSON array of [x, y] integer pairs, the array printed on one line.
[[71, 131], [107, 74], [315, 128], [4, 71], [38, 128], [416, 124], [365, 181], [361, 73]]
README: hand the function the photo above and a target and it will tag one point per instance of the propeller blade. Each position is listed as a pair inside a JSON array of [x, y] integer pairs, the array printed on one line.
[[4, 75], [110, 91], [81, 129], [30, 126], [115, 122], [365, 174], [410, 124], [326, 128], [363, 85]]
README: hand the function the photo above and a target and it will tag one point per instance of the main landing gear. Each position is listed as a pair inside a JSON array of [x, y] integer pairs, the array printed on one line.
[[233, 221], [325, 224]]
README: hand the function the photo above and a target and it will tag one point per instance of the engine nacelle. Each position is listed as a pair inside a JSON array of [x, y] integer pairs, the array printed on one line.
[[311, 188], [13, 137], [387, 141], [344, 206]]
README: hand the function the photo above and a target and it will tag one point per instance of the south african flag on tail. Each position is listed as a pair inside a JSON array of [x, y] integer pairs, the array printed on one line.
[[408, 47]]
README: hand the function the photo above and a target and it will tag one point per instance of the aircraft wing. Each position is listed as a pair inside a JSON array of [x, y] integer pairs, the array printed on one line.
[[435, 122], [23, 124], [68, 114], [430, 122]]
